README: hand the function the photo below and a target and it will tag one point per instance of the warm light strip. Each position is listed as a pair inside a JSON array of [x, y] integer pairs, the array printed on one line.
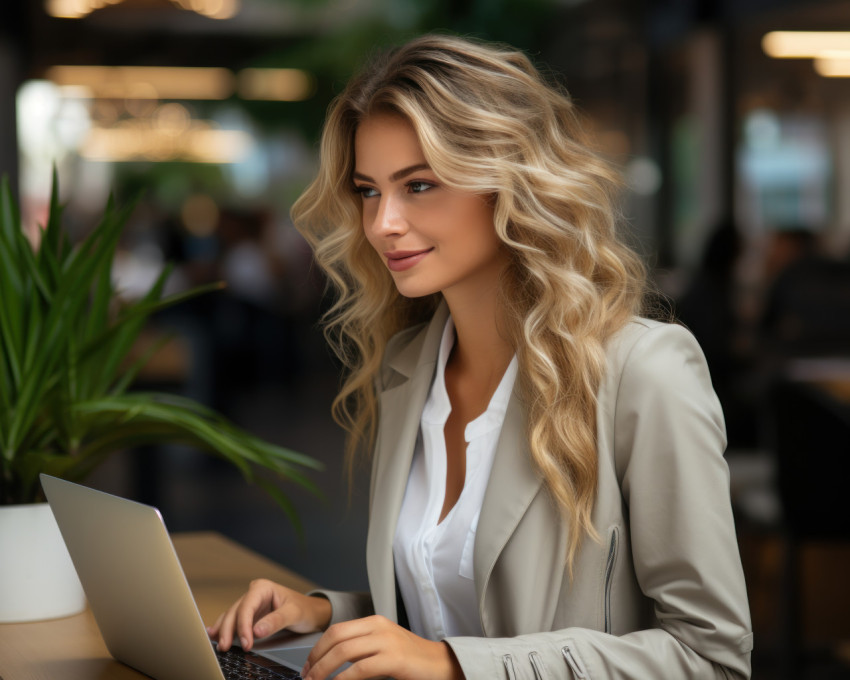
[[75, 9], [214, 9], [78, 9], [171, 82], [275, 84], [147, 82], [196, 146], [803, 44], [833, 67]]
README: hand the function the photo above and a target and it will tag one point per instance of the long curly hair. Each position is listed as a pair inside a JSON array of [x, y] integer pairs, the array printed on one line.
[[488, 122]]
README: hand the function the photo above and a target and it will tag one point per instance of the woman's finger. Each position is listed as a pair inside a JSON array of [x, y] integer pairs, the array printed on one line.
[[336, 634], [224, 627], [258, 602], [360, 650]]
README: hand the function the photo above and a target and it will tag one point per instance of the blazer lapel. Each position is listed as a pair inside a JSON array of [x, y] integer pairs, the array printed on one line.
[[512, 486], [401, 410]]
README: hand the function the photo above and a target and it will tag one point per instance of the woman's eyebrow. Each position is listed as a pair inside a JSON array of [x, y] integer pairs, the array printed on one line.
[[397, 175]]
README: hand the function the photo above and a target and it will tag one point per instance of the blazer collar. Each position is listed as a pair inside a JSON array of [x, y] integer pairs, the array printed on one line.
[[423, 348]]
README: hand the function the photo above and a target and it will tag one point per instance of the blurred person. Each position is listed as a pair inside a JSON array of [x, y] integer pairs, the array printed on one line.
[[549, 496], [250, 268], [251, 343], [784, 248], [807, 303], [709, 309]]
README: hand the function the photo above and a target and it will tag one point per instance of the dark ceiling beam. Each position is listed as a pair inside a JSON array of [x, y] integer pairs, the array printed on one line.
[[669, 20], [77, 42]]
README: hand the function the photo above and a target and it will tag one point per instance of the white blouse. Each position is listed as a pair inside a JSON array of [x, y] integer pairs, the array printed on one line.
[[433, 559]]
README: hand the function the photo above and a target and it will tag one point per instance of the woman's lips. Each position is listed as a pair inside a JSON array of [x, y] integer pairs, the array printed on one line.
[[400, 260]]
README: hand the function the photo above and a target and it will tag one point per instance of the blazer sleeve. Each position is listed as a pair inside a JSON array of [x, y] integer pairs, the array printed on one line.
[[669, 439], [345, 605]]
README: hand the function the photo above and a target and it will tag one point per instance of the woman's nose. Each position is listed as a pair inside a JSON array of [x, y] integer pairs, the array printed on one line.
[[389, 218]]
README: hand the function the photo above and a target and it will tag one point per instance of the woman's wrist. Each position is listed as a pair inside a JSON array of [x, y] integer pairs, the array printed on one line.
[[455, 672], [322, 611]]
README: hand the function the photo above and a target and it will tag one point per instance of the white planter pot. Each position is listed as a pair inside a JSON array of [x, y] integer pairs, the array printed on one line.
[[37, 578]]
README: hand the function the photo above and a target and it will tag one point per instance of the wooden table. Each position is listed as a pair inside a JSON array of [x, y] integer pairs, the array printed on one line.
[[218, 571]]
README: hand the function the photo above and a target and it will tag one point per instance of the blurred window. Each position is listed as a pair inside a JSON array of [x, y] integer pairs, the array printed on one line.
[[784, 170]]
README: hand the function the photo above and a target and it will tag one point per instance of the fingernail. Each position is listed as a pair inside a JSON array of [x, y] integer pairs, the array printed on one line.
[[261, 630], [305, 670], [244, 642]]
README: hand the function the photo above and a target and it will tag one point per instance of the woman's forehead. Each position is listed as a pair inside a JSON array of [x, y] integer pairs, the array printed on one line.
[[385, 143]]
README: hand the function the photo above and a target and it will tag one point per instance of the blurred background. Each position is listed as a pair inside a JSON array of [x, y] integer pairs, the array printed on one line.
[[730, 121]]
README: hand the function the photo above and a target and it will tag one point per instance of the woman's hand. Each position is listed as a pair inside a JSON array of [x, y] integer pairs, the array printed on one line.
[[266, 608], [376, 647]]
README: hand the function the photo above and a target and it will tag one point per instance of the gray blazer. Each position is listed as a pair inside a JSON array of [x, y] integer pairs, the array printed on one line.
[[661, 594]]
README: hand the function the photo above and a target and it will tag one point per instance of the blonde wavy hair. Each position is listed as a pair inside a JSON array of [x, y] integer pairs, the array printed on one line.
[[488, 123]]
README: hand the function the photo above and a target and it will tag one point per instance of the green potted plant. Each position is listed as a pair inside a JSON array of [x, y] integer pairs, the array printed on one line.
[[65, 375]]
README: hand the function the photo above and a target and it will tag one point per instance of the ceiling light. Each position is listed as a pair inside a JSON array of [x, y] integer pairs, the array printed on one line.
[[77, 9], [195, 145], [802, 44], [214, 9], [833, 67]]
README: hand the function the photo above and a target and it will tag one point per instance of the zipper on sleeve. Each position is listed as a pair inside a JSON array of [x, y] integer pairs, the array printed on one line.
[[613, 544], [508, 660], [575, 664]]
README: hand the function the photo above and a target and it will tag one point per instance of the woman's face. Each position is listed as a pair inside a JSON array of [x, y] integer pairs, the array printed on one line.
[[430, 237]]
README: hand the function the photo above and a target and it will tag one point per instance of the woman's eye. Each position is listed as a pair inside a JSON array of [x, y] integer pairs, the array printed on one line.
[[419, 187], [366, 192]]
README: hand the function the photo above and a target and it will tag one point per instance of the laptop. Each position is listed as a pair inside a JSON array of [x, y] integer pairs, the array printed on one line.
[[140, 598]]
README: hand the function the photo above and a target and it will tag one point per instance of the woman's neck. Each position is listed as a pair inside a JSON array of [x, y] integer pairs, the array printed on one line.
[[480, 353]]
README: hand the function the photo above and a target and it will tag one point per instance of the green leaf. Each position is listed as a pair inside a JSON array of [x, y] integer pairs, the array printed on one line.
[[52, 234], [12, 298], [125, 333]]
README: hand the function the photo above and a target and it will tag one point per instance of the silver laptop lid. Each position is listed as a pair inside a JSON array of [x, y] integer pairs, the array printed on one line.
[[133, 580]]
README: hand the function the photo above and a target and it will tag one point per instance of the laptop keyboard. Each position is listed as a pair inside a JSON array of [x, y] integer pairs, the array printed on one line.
[[237, 664]]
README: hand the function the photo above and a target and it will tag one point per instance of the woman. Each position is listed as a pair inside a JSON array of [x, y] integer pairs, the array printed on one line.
[[549, 497]]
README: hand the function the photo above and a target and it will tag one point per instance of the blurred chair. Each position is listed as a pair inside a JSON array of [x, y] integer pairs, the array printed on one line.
[[809, 429]]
